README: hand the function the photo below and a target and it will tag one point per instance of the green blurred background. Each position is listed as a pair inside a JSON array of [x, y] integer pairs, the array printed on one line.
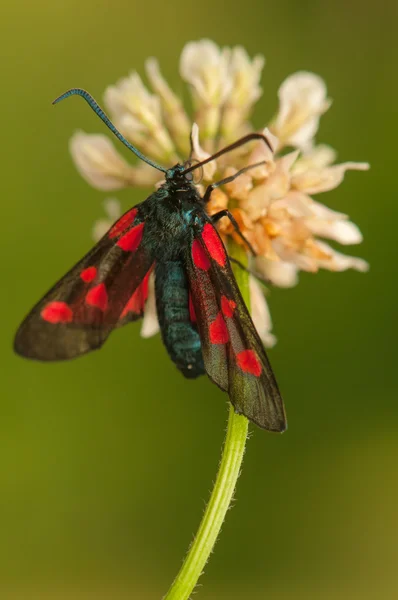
[[106, 462]]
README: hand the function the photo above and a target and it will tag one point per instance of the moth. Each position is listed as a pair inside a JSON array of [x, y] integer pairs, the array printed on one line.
[[203, 319]]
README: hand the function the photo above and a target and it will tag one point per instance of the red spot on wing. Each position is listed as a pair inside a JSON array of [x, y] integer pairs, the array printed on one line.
[[98, 297], [199, 256], [192, 314], [214, 244], [138, 298], [218, 331], [122, 224], [89, 274], [227, 306], [248, 361], [132, 239], [57, 312]]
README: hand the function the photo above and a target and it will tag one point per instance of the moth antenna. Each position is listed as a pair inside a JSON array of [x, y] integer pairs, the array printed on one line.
[[102, 115], [244, 140]]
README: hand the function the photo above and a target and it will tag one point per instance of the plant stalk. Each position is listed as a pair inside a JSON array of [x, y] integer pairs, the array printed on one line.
[[227, 476]]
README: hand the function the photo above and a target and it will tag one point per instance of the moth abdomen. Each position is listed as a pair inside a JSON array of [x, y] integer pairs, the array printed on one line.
[[179, 333]]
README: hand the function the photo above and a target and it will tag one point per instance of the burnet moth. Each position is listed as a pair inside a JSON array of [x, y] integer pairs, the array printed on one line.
[[204, 322]]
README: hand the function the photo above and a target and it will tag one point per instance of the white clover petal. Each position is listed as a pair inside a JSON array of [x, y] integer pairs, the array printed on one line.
[[138, 115], [295, 204], [273, 140], [262, 153], [275, 187], [278, 183], [302, 99], [321, 211], [150, 323], [257, 202], [99, 163], [206, 68], [160, 85], [336, 261], [315, 181], [199, 154], [130, 95], [175, 116], [316, 158], [245, 90], [240, 187], [278, 272], [288, 252], [344, 232], [100, 228], [246, 74], [260, 314], [112, 208]]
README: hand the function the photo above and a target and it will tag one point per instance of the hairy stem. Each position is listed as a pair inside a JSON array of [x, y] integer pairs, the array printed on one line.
[[228, 473]]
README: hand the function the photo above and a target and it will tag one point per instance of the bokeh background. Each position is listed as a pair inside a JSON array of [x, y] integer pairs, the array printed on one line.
[[106, 462]]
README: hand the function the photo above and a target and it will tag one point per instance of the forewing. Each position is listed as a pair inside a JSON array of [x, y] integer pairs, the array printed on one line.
[[103, 290], [233, 353]]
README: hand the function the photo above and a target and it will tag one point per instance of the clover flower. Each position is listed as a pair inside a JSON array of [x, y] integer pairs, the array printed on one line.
[[272, 203]]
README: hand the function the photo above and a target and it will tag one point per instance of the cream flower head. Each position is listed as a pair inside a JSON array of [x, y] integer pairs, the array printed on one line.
[[272, 203]]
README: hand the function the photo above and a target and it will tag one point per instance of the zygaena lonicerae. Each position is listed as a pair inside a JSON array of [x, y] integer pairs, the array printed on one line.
[[204, 322]]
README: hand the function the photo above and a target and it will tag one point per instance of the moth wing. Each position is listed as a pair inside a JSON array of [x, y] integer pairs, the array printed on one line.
[[105, 289], [233, 353]]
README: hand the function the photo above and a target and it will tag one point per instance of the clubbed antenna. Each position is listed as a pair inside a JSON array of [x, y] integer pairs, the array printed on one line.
[[98, 111]]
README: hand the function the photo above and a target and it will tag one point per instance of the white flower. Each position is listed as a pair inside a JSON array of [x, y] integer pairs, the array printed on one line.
[[245, 91], [341, 230], [150, 323], [335, 261], [315, 157], [260, 314], [316, 180], [102, 166], [113, 212], [272, 203], [262, 153], [206, 68], [302, 100], [138, 114], [279, 273], [199, 154], [175, 116], [246, 74]]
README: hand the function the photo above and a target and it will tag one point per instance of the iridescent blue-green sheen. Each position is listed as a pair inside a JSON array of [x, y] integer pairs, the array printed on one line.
[[179, 335]]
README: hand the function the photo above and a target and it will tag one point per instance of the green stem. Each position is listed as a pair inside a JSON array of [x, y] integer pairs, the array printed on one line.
[[228, 473]]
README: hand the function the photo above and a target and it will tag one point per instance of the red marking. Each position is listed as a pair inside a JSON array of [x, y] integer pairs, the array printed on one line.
[[214, 245], [122, 224], [218, 331], [89, 274], [138, 298], [227, 306], [132, 239], [192, 314], [248, 361], [98, 297], [199, 256], [57, 312]]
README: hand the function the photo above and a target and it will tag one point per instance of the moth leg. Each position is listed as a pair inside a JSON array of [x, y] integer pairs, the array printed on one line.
[[257, 276], [226, 213], [217, 184]]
